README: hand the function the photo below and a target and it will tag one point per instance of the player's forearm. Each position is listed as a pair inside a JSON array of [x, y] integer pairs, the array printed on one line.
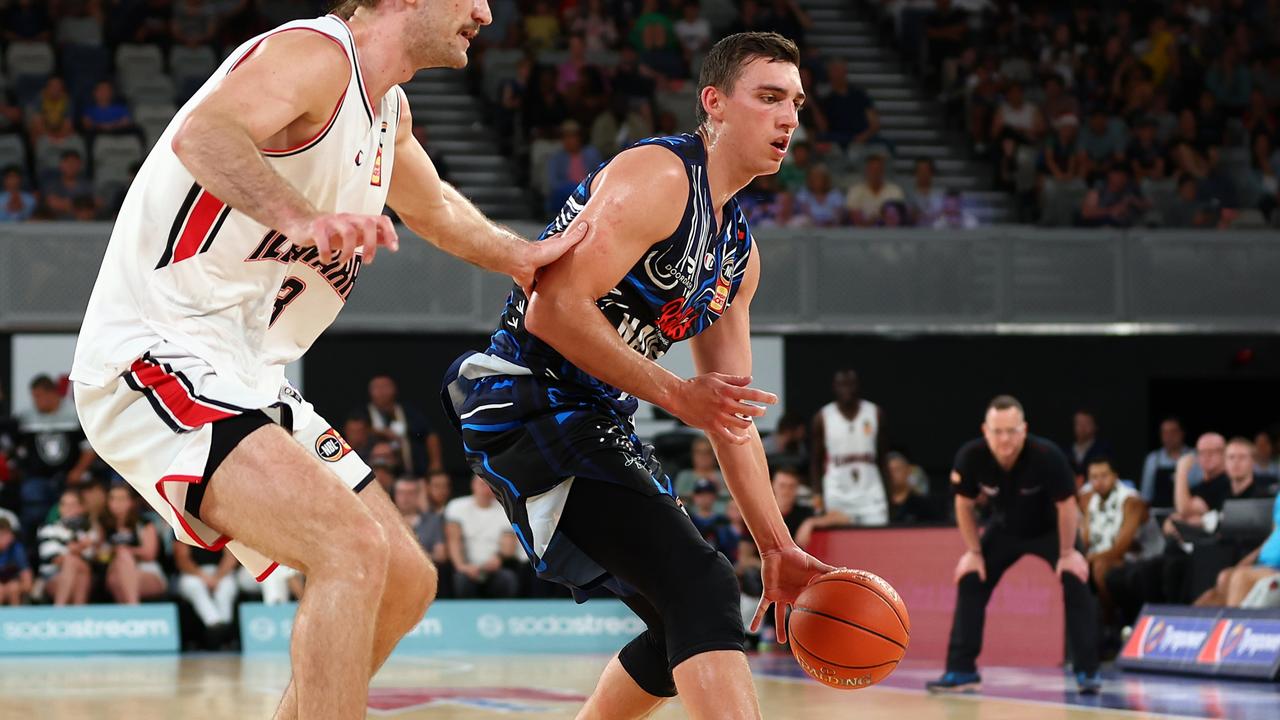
[[461, 230], [967, 524], [581, 333], [225, 161], [746, 473], [1068, 523]]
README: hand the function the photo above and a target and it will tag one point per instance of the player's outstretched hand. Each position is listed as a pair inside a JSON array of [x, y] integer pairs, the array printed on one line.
[[786, 573], [720, 405], [340, 234], [540, 254]]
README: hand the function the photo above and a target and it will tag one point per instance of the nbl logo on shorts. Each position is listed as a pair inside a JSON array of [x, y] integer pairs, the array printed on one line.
[[331, 447]]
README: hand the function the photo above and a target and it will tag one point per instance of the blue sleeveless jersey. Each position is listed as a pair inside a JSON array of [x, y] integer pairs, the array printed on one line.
[[678, 288]]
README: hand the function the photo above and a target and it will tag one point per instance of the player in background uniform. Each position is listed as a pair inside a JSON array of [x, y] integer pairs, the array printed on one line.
[[236, 246], [545, 412], [849, 453]]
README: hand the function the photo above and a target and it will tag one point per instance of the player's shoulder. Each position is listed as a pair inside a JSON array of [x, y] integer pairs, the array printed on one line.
[[648, 165]]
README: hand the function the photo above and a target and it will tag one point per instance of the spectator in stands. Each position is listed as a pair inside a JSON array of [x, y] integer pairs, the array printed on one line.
[[384, 460], [1265, 459], [1218, 189], [982, 89], [403, 425], [947, 29], [955, 216], [206, 579], [1188, 150], [794, 172], [25, 20], [480, 541], [1017, 124], [1061, 160], [866, 197], [542, 28], [1229, 81], [846, 114], [1085, 445], [797, 517], [1057, 102], [10, 114], [1145, 155], [1115, 202], [62, 545], [762, 203], [16, 204], [1159, 466], [357, 433], [1236, 480], [567, 167], [704, 467], [1061, 56], [569, 72], [439, 489], [819, 202], [1263, 175], [693, 31], [544, 108], [1188, 211], [790, 20], [1102, 141], [621, 124], [788, 437], [894, 214], [634, 79], [597, 26], [106, 114], [713, 525], [63, 188], [924, 199], [15, 571], [51, 452], [193, 24], [906, 505], [752, 18], [51, 111], [511, 97], [427, 525], [133, 546], [1113, 515]]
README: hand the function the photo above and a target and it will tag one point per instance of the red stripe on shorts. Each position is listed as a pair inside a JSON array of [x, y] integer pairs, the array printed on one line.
[[174, 396], [181, 515]]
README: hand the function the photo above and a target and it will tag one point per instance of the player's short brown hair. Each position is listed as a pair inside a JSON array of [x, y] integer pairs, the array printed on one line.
[[346, 8], [726, 59]]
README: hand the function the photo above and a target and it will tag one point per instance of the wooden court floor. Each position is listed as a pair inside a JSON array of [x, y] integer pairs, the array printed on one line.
[[212, 687]]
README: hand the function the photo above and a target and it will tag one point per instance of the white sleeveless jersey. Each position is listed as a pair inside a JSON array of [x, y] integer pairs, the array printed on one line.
[[183, 267], [852, 482]]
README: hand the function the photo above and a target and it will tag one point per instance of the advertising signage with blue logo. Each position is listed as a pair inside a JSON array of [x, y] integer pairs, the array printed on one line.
[[476, 626], [1205, 641], [152, 627]]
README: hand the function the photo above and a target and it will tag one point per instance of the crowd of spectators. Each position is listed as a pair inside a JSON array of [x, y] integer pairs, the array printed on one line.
[[1162, 112]]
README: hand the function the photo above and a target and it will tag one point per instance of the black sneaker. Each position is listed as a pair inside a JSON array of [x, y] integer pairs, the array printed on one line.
[[955, 682]]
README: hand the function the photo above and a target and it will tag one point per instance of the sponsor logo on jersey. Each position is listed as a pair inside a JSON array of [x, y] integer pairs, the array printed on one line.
[[331, 447], [675, 320], [376, 180], [341, 276]]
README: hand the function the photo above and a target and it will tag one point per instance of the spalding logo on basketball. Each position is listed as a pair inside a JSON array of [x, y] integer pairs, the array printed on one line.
[[331, 447], [849, 629]]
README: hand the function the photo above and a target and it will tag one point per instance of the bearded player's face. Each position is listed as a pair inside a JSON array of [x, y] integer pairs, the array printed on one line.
[[438, 33]]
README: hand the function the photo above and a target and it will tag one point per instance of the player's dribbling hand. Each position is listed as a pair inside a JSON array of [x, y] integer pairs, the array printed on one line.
[[786, 573], [720, 405], [540, 254], [971, 562], [337, 236]]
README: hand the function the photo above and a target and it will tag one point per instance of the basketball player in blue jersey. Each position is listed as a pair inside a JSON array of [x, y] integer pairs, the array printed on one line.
[[545, 412]]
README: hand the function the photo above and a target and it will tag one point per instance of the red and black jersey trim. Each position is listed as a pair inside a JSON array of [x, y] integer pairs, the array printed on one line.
[[173, 397], [355, 63], [194, 227]]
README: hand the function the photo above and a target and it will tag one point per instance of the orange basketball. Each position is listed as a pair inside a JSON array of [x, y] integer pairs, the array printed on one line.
[[849, 629]]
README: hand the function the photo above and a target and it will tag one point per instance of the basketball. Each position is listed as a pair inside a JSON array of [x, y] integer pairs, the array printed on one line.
[[849, 629]]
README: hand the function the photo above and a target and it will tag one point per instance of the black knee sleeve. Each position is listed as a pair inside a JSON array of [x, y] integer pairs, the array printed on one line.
[[700, 609], [645, 660]]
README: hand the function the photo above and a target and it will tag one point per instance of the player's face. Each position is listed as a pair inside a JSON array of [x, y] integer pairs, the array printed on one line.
[[761, 113], [1005, 432], [439, 32]]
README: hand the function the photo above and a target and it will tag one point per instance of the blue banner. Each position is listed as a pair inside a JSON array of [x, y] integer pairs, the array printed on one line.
[[152, 627], [1207, 641], [477, 626]]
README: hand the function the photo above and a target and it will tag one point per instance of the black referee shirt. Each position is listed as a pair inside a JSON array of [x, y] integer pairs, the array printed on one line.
[[1024, 497]]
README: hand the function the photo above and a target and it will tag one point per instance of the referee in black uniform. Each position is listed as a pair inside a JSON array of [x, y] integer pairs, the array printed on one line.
[[1031, 490]]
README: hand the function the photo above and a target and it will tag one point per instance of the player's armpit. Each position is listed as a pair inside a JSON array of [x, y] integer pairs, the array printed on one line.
[[725, 347]]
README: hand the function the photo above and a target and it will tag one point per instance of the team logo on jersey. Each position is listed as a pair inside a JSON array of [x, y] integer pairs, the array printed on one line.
[[331, 447], [708, 261], [376, 180], [359, 157], [675, 320]]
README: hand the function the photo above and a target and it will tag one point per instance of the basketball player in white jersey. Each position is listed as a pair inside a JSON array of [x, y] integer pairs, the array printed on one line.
[[236, 246], [848, 454]]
